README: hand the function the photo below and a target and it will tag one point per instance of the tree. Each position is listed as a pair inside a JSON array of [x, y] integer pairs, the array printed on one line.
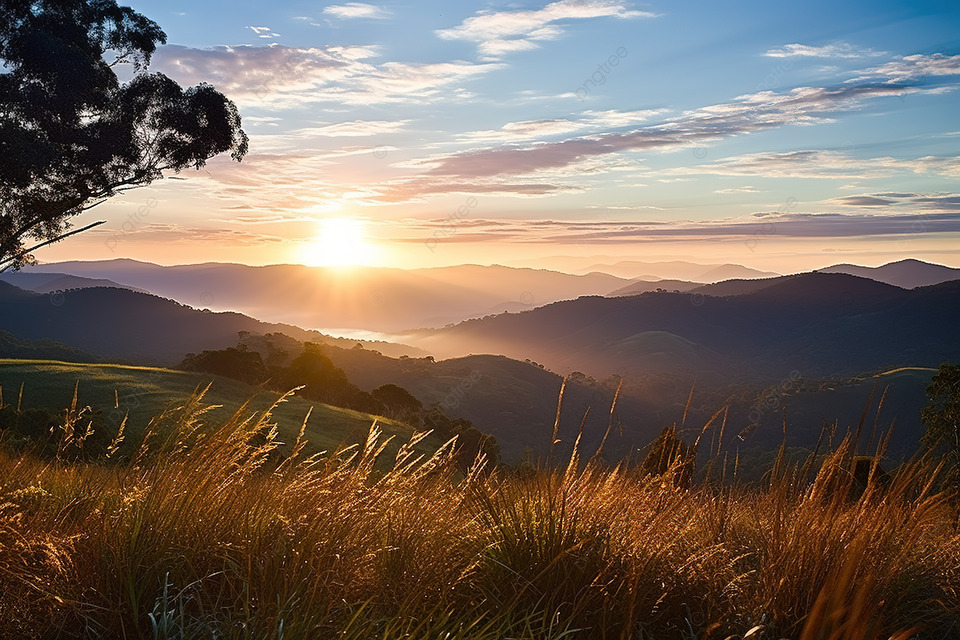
[[71, 135], [239, 364], [398, 402], [942, 416]]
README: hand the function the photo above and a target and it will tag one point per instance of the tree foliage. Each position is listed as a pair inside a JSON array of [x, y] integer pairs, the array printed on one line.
[[72, 135], [942, 415]]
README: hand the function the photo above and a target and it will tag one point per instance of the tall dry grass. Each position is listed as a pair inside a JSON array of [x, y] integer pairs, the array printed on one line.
[[209, 533]]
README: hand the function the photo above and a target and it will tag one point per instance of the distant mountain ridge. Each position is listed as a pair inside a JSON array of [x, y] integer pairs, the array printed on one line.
[[50, 282], [679, 270], [374, 299], [121, 325], [817, 323], [908, 274]]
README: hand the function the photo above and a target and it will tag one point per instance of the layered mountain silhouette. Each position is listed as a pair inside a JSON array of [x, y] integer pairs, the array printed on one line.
[[373, 299], [817, 323], [908, 273], [50, 282], [678, 270], [119, 325]]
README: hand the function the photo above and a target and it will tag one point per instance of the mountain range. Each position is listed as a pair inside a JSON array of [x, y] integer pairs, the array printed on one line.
[[908, 273], [818, 323], [364, 298], [124, 326], [660, 345]]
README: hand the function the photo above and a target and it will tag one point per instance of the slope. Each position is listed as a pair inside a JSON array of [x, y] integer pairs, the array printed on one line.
[[142, 393]]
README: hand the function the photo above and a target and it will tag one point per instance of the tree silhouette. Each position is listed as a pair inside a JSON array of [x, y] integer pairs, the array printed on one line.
[[71, 135], [942, 416]]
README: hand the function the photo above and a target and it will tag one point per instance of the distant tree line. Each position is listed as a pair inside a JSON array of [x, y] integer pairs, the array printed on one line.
[[323, 381]]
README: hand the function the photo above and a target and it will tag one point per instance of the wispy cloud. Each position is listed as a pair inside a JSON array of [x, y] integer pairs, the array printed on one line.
[[743, 189], [356, 10], [784, 225], [864, 201], [913, 67], [224, 237], [264, 32], [823, 164], [929, 202], [498, 33], [755, 112], [835, 50], [286, 77], [354, 128], [525, 130], [538, 129]]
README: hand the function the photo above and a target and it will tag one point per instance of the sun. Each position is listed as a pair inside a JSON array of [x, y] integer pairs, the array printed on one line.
[[340, 242]]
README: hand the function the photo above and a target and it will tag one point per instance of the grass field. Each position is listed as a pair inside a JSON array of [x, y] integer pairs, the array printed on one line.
[[144, 392], [205, 539]]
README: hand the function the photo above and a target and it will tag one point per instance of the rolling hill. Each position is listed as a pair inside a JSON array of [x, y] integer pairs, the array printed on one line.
[[644, 286], [142, 393], [364, 298], [903, 273], [678, 270], [119, 325], [51, 282], [820, 324]]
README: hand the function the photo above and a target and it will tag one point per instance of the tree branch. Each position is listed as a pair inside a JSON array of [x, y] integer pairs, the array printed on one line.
[[8, 262]]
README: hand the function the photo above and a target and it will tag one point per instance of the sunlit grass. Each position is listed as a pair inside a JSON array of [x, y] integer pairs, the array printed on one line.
[[209, 533]]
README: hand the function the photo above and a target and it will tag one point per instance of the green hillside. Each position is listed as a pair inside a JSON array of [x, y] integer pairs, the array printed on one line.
[[809, 404], [144, 392]]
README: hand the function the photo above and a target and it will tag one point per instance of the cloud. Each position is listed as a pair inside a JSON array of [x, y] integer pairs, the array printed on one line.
[[614, 118], [501, 32], [524, 130], [864, 201], [909, 68], [537, 129], [784, 225], [356, 10], [750, 113], [836, 50], [822, 164], [417, 189], [355, 128], [286, 77], [163, 232], [264, 32], [744, 189], [937, 203]]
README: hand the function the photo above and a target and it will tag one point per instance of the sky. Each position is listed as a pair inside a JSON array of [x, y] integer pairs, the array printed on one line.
[[782, 136]]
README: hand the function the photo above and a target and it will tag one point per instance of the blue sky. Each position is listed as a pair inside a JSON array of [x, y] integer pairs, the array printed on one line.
[[779, 135]]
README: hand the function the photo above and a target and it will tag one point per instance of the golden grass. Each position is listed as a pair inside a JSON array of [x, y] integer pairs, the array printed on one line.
[[210, 534]]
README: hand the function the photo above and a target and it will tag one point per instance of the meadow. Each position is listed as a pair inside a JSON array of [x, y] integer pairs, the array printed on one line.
[[205, 532], [138, 394]]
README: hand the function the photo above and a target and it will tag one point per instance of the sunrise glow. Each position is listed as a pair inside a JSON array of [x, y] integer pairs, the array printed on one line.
[[340, 242]]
